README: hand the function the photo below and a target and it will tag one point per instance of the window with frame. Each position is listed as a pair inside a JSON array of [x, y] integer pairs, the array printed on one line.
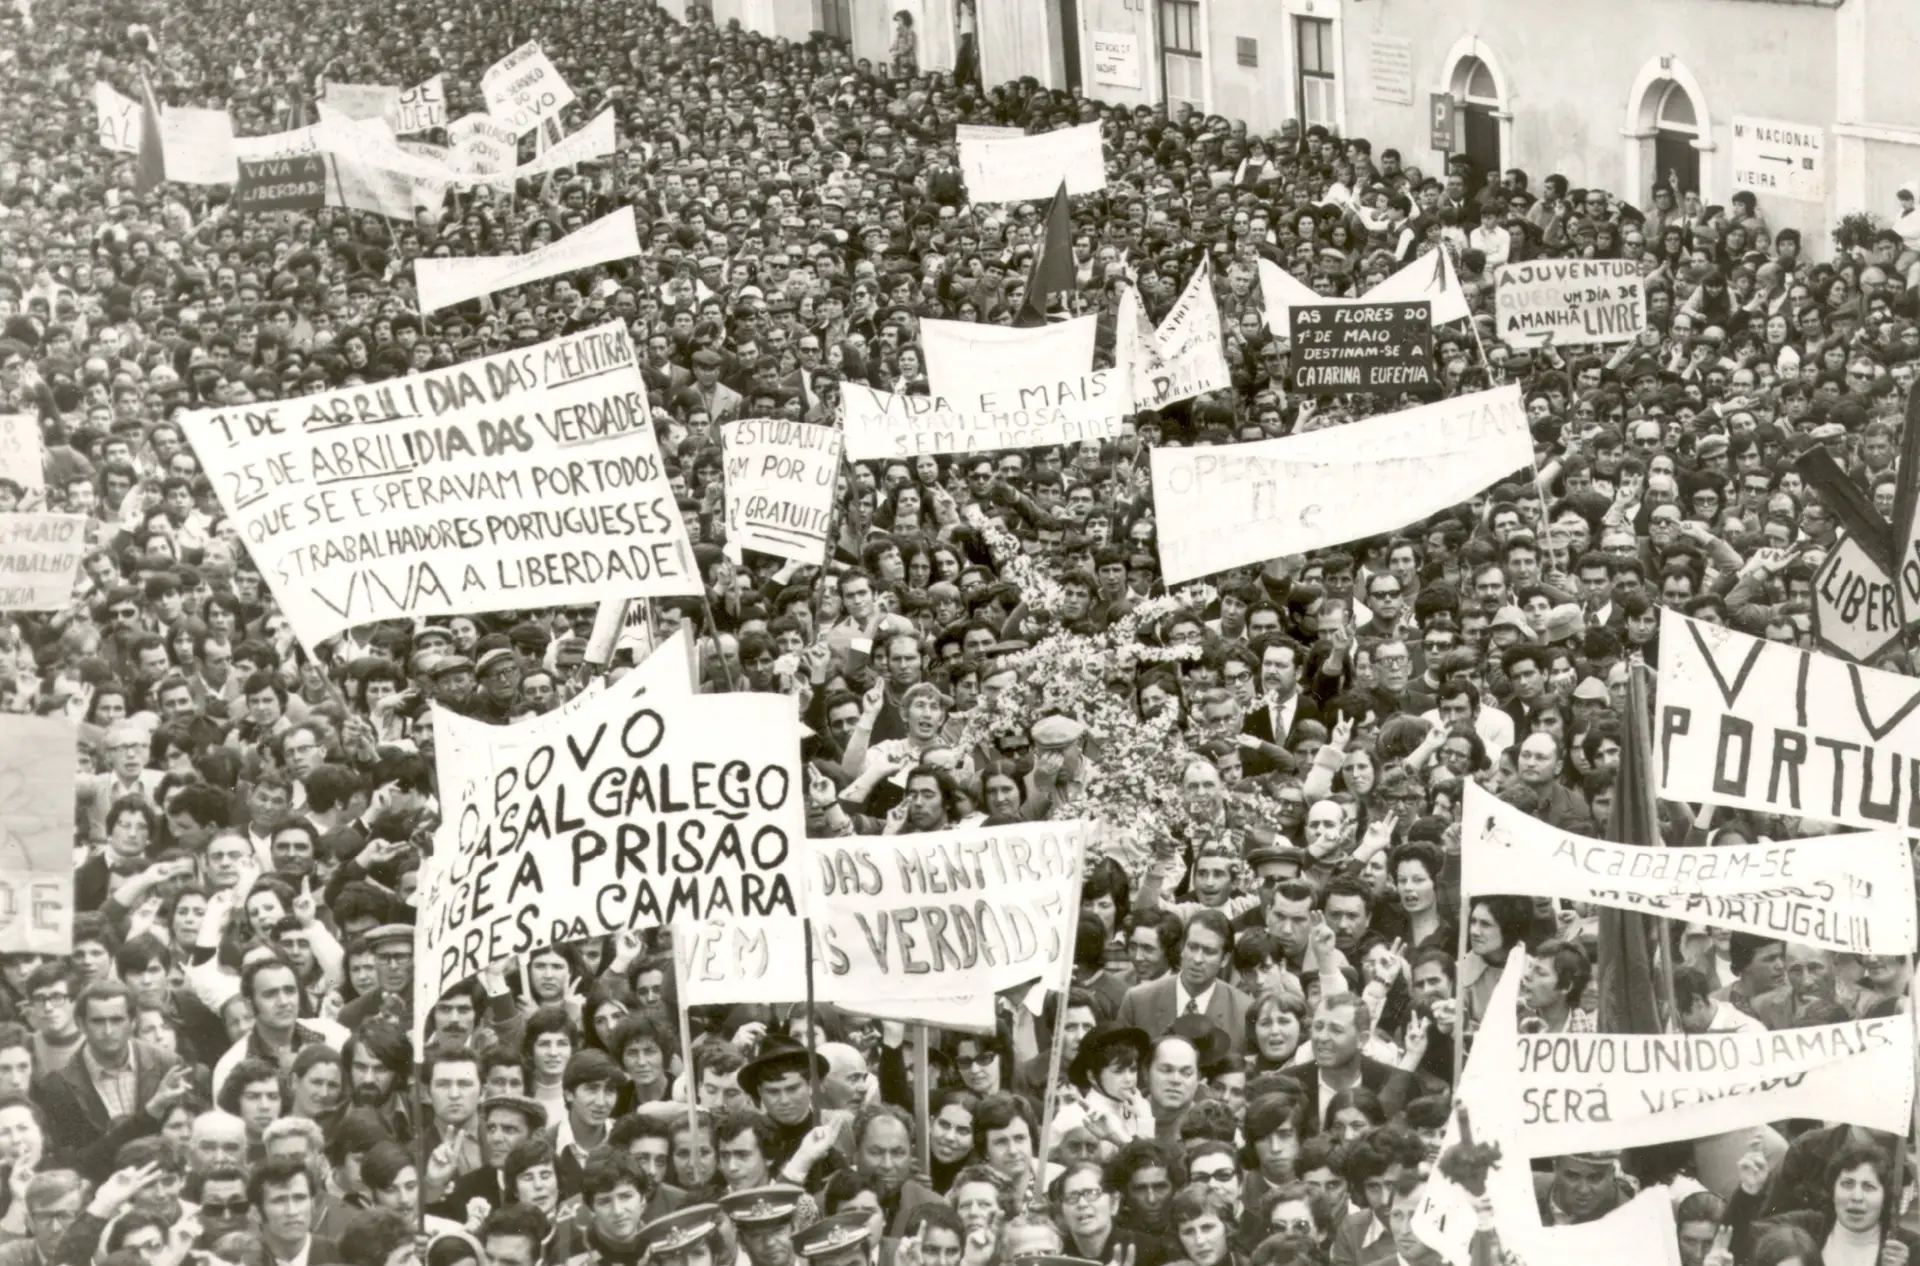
[[1317, 90], [1183, 65]]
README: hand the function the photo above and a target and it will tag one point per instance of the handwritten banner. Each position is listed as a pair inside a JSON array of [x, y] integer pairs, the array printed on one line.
[[780, 478], [481, 145], [362, 101], [40, 556], [1569, 300], [966, 358], [1377, 348], [197, 146], [421, 108], [1185, 356], [36, 834], [1015, 167], [281, 184], [1856, 613], [1761, 725], [632, 812], [526, 479], [1850, 893], [881, 424], [523, 89], [972, 911], [23, 455], [445, 282], [1236, 504], [118, 119]]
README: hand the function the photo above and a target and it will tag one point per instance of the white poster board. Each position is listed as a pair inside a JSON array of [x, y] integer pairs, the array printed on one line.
[[1116, 59], [1569, 300], [1018, 167]]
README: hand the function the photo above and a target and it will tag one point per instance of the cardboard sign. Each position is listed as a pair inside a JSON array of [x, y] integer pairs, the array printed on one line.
[[1569, 300], [629, 813], [36, 834], [1017, 167], [1383, 348], [1761, 725], [882, 424], [1238, 504], [422, 108], [281, 184], [779, 486], [971, 911], [118, 119], [1848, 893], [363, 101], [1771, 158], [1856, 613], [23, 456], [40, 555], [523, 89], [445, 282], [197, 146], [529, 478]]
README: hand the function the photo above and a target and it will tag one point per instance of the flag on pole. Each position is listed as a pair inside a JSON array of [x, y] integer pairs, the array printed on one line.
[[1630, 994], [1906, 502], [150, 170], [1052, 270]]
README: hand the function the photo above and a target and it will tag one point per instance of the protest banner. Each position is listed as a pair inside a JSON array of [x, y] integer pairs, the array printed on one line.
[[1237, 504], [422, 107], [118, 119], [1280, 293], [481, 146], [1183, 358], [1015, 167], [1641, 1231], [281, 184], [198, 146], [1586, 1092], [630, 813], [780, 479], [985, 131], [1381, 348], [724, 962], [23, 456], [882, 424], [965, 358], [296, 143], [1429, 278], [1848, 893], [1570, 301], [37, 775], [442, 283], [362, 101], [524, 88], [1762, 725], [40, 555], [594, 141], [971, 911], [528, 478], [1856, 613], [359, 185]]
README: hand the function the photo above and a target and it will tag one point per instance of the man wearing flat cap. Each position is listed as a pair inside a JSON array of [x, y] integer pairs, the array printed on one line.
[[506, 1121]]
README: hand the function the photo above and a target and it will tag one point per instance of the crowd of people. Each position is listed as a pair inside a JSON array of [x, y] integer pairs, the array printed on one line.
[[1269, 1001]]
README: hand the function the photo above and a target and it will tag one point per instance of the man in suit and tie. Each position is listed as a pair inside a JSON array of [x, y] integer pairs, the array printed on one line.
[[1279, 711], [116, 1090], [506, 1121], [1340, 1026], [1206, 947]]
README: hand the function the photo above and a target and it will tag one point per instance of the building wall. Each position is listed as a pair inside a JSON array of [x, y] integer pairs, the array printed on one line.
[[1020, 37], [1120, 17], [1261, 94]]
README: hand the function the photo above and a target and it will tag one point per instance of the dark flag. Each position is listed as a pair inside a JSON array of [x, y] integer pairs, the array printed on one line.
[[1628, 976], [151, 170], [1052, 272]]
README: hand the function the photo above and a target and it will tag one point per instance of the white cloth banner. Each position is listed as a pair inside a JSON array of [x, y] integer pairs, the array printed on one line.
[[40, 557], [779, 486], [119, 119], [1017, 167], [1569, 300], [422, 108], [362, 186], [297, 143], [197, 146], [1424, 278], [972, 911], [966, 358], [1189, 356], [632, 812], [882, 424], [23, 455], [1641, 1231], [596, 140], [1762, 725], [1237, 504], [481, 146], [529, 478], [1850, 893], [523, 89], [446, 282]]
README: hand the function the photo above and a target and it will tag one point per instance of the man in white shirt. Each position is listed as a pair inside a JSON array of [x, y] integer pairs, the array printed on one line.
[[1460, 701], [1490, 239]]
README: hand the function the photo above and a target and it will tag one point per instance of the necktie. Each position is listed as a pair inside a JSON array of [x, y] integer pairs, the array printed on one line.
[[1193, 1007]]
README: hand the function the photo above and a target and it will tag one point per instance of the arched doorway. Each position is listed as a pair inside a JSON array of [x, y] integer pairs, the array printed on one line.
[[1479, 98], [1676, 154]]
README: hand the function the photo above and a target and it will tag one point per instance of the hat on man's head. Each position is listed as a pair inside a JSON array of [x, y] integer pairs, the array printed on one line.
[[1592, 690], [532, 1110], [779, 1056], [762, 1206], [1565, 622], [1057, 731], [679, 1231], [838, 1233]]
